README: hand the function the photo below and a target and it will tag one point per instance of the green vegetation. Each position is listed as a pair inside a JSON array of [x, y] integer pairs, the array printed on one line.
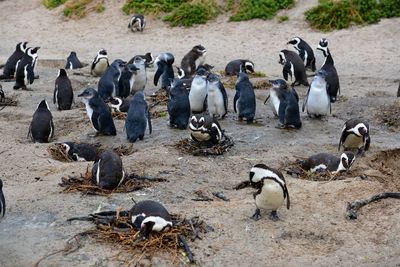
[[282, 18], [53, 3], [79, 8], [151, 6], [340, 14], [257, 9]]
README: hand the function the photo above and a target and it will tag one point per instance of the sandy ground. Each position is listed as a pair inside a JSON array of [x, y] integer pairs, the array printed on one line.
[[313, 232]]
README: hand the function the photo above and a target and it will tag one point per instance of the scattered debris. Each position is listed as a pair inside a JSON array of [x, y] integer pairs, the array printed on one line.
[[201, 196], [159, 98], [389, 115], [189, 146], [221, 195], [8, 101], [119, 115]]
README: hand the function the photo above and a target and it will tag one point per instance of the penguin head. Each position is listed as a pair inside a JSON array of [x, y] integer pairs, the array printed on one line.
[[62, 73], [201, 71], [278, 84], [249, 66], [149, 59], [73, 53], [66, 146], [137, 220], [168, 58], [153, 223], [88, 93], [119, 64], [322, 73], [295, 41], [102, 52], [288, 70], [360, 129], [323, 43], [197, 122], [21, 46], [257, 172], [43, 105], [282, 58], [139, 61], [213, 78], [131, 68], [35, 50], [199, 49], [346, 160]]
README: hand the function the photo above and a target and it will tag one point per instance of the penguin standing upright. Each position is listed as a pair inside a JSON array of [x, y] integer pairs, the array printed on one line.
[[42, 128], [126, 80], [289, 113], [10, 66], [63, 93], [80, 151], [164, 69], [317, 100], [233, 67], [198, 91], [204, 128], [2, 200], [355, 136], [271, 190], [305, 52], [217, 99], [100, 63], [138, 118], [327, 162], [107, 171], [277, 90], [73, 62], [321, 53], [293, 66], [244, 102], [140, 75], [109, 81], [150, 216], [193, 59], [24, 74], [332, 78], [178, 105], [98, 112], [137, 23]]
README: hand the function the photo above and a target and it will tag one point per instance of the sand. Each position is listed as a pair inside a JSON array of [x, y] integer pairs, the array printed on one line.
[[313, 232]]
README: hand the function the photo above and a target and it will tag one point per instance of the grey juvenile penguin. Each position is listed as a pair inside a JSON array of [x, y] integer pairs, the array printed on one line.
[[193, 59], [317, 100], [217, 99], [109, 82], [198, 91], [42, 128], [178, 105], [244, 102], [138, 118]]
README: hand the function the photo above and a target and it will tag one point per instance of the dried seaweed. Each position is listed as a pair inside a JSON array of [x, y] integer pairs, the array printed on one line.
[[84, 184], [159, 98], [119, 115], [8, 101], [189, 146], [57, 152]]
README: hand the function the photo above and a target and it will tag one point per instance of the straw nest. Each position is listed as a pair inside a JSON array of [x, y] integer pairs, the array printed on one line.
[[189, 146]]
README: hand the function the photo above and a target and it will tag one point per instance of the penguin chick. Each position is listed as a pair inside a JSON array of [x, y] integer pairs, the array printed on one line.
[[204, 128], [178, 105], [42, 128], [100, 63], [107, 171], [137, 23], [63, 93], [109, 82], [327, 162], [305, 52], [289, 112], [217, 99], [198, 91], [355, 136], [317, 100], [193, 59], [233, 67], [244, 102], [138, 118], [271, 190]]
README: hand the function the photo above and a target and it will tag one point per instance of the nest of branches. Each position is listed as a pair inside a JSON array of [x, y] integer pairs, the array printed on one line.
[[295, 169], [84, 184], [194, 148], [116, 228], [119, 115]]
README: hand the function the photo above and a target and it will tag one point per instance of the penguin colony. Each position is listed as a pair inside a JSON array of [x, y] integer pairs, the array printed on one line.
[[197, 100]]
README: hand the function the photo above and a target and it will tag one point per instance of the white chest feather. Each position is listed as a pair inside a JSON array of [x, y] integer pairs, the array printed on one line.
[[353, 141], [319, 59], [274, 102], [201, 136], [215, 101], [197, 95], [318, 100], [101, 66], [271, 196]]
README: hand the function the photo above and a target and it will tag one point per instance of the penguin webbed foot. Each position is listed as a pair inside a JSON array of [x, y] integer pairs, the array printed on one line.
[[273, 216], [257, 215], [361, 152], [280, 126]]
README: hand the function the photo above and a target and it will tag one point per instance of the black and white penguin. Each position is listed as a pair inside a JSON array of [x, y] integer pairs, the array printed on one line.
[[305, 52], [42, 128], [138, 118], [164, 69], [98, 112], [148, 57], [321, 53], [100, 63], [107, 171], [149, 216], [193, 59], [217, 99], [355, 136], [293, 66], [244, 102], [233, 67], [119, 104], [317, 100], [109, 82], [80, 151], [332, 77], [10, 66], [2, 201], [63, 93], [327, 162], [24, 74], [126, 80], [178, 105], [139, 76], [272, 190], [198, 91], [73, 62], [137, 23], [204, 128]]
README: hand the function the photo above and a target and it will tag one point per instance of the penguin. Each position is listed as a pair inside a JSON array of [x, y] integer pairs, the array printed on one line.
[[194, 58], [332, 78], [271, 190], [279, 87], [140, 75], [24, 74], [42, 128], [2, 201], [217, 99], [137, 23], [107, 171], [289, 113], [149, 216], [204, 128], [305, 52], [148, 57], [2, 95], [321, 53], [293, 66], [80, 151], [184, 78], [109, 82], [233, 67], [164, 69], [355, 136], [244, 102], [100, 63], [317, 100], [63, 93], [73, 62], [10, 66], [126, 80], [198, 91], [327, 162], [179, 105], [138, 118], [98, 112], [119, 104]]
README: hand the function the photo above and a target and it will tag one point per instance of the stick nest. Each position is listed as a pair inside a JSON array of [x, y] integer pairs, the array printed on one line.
[[189, 146], [84, 184], [8, 101], [295, 170]]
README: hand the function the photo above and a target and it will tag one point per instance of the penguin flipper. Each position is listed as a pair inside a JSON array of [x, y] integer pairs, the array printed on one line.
[[265, 102], [225, 97], [342, 137], [235, 99], [149, 121], [328, 88], [159, 72], [367, 143], [205, 103], [305, 99], [287, 197], [54, 94], [31, 74], [282, 111]]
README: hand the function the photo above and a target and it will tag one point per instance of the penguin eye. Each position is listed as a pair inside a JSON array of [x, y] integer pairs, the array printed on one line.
[[201, 120], [193, 119]]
